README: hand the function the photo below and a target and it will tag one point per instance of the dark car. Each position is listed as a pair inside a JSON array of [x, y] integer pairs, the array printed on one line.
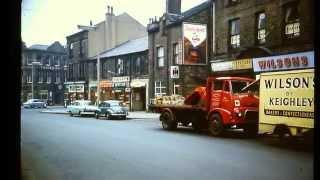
[[111, 109]]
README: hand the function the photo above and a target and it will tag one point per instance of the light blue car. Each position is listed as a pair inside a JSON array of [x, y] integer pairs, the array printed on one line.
[[82, 107], [34, 103]]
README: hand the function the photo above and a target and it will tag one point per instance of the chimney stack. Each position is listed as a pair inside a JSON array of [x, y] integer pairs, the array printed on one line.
[[108, 12], [173, 6]]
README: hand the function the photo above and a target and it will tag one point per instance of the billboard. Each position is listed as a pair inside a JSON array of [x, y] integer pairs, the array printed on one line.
[[194, 43], [287, 97]]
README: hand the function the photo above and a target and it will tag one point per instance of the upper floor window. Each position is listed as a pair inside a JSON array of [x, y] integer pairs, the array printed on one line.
[[176, 53], [29, 59], [29, 77], [292, 21], [48, 77], [261, 28], [138, 66], [57, 77], [71, 50], [83, 47], [234, 29], [160, 56], [40, 77], [120, 67]]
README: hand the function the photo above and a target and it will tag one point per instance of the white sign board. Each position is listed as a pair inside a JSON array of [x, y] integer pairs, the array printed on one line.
[[174, 72], [221, 66], [76, 88], [284, 62]]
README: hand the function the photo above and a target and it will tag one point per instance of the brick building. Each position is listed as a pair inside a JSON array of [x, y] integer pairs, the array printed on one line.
[[44, 67], [170, 40], [251, 29]]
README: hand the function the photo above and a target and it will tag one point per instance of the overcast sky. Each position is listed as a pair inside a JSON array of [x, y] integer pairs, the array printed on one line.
[[46, 21]]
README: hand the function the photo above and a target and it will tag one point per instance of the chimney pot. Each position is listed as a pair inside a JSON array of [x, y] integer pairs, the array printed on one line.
[[111, 10], [108, 10]]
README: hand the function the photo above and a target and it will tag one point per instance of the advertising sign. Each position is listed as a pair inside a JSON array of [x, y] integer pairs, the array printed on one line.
[[242, 64], [284, 62], [287, 98], [194, 43], [221, 66], [76, 88], [174, 72]]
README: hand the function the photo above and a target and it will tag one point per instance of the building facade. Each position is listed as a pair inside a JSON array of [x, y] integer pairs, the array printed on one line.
[[252, 29], [44, 70], [179, 48], [124, 74]]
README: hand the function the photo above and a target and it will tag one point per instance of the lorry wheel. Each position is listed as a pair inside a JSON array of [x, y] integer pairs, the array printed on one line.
[[215, 125], [251, 130], [167, 121]]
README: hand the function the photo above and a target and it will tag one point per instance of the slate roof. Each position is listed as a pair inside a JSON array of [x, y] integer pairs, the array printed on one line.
[[128, 47], [39, 47]]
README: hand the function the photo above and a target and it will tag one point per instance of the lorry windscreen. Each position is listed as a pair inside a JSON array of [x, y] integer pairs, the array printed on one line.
[[237, 86]]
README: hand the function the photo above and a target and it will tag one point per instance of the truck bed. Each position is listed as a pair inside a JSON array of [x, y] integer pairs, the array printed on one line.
[[160, 107]]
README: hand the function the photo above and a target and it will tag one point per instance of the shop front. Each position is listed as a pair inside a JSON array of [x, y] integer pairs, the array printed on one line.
[[238, 67], [139, 94], [92, 94], [121, 89], [75, 91], [106, 90]]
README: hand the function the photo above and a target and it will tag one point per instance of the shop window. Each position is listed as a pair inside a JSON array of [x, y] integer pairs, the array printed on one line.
[[261, 28], [292, 21], [160, 56], [160, 89], [234, 30]]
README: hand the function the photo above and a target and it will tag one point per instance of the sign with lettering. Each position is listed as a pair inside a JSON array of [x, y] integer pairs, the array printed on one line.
[[242, 64], [287, 98], [284, 62], [221, 66], [174, 72], [194, 43], [76, 88], [120, 79]]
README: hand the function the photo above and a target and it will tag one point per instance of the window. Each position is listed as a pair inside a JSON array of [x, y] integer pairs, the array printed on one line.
[[71, 50], [58, 77], [48, 77], [29, 77], [137, 66], [235, 33], [160, 56], [292, 21], [120, 67], [261, 28], [83, 47], [217, 85], [127, 67], [29, 59], [160, 90], [176, 53], [237, 86], [40, 77], [38, 58]]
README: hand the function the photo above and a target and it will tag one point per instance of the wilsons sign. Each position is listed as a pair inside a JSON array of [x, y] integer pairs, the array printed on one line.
[[302, 60]]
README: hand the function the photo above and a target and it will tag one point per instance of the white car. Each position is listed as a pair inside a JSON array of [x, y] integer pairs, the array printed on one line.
[[34, 103], [82, 107]]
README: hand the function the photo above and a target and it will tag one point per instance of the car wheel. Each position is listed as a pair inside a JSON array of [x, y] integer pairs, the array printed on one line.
[[96, 115], [215, 125], [167, 121], [107, 116]]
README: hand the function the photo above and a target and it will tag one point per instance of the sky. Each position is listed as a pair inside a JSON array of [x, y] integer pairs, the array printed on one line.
[[46, 21]]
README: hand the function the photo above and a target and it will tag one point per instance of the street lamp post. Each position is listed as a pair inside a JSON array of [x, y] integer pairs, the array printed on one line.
[[32, 76]]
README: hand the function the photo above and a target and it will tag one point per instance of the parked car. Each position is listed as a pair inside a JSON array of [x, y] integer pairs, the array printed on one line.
[[35, 103], [82, 107], [111, 109]]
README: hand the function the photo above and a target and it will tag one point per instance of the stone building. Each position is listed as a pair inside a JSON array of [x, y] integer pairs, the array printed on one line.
[[252, 29], [113, 31], [44, 68], [179, 49]]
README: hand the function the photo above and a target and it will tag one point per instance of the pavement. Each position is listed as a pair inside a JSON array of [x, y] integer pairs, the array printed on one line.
[[132, 114]]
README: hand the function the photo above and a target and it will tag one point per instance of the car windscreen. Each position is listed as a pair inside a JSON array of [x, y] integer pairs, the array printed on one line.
[[114, 103], [237, 86], [88, 103]]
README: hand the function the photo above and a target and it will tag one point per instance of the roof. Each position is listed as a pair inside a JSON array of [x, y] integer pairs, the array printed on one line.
[[39, 47], [128, 47]]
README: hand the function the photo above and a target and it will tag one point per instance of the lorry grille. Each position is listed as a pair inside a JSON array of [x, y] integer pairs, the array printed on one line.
[[251, 116]]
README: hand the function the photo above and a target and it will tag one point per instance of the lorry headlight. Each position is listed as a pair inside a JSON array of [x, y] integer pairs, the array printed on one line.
[[237, 102]]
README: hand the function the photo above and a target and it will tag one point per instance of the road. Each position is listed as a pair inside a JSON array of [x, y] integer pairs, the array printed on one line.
[[56, 146]]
